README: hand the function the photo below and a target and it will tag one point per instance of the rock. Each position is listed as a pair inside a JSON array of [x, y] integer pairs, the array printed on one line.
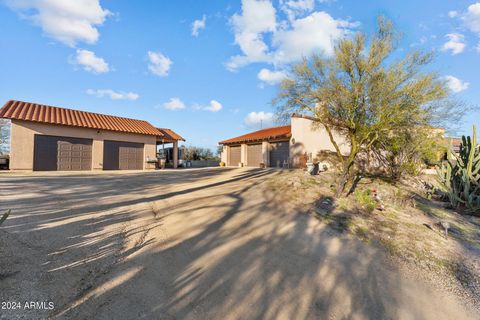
[[297, 184], [323, 166]]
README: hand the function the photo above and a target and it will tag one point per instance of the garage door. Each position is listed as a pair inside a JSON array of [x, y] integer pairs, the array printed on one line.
[[120, 155], [279, 152], [235, 155], [254, 155], [62, 153]]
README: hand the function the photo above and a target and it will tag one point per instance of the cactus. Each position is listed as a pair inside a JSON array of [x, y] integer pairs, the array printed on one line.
[[4, 217], [460, 175]]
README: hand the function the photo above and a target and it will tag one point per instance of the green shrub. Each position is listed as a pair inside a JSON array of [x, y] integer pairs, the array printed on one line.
[[365, 199]]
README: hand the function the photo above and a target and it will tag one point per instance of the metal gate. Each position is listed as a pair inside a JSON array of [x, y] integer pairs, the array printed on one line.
[[121, 155], [279, 153], [61, 153], [254, 155]]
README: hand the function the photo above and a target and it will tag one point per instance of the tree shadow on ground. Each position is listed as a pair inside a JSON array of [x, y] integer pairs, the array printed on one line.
[[73, 229], [202, 249]]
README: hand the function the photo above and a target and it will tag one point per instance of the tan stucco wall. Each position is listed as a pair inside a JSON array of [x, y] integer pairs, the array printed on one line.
[[22, 141], [224, 155], [311, 139]]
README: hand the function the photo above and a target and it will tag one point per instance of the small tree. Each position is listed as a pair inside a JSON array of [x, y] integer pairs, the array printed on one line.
[[199, 153], [362, 93]]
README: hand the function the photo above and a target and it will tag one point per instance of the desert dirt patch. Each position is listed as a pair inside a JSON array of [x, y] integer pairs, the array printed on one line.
[[405, 220], [194, 244]]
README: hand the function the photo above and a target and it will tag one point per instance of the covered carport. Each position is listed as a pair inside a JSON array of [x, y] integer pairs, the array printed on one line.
[[171, 139]]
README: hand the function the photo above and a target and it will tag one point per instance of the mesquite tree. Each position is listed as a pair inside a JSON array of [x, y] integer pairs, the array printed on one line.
[[362, 92]]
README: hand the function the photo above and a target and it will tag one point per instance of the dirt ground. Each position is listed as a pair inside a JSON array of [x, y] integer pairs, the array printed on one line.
[[190, 244]]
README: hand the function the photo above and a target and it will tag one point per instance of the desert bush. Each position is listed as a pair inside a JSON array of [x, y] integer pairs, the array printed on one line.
[[407, 152], [365, 199]]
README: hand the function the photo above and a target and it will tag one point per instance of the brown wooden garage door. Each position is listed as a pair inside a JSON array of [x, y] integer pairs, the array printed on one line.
[[279, 152], [235, 155], [120, 155], [62, 153], [254, 155]]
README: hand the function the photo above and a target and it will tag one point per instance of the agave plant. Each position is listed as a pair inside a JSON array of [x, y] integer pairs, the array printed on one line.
[[460, 175]]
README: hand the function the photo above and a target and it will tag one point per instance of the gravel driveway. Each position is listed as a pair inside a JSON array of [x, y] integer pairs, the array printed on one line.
[[189, 244]]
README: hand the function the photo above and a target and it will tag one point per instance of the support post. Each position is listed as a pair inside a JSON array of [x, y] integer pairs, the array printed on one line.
[[266, 153], [243, 156], [175, 154]]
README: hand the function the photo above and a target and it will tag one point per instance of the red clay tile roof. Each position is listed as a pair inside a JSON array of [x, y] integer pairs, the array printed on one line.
[[170, 135], [27, 111], [260, 135]]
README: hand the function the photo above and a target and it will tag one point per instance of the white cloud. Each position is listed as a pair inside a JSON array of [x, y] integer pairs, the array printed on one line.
[[114, 95], [174, 104], [289, 39], [456, 85], [214, 106], [294, 8], [316, 32], [472, 17], [455, 44], [68, 21], [159, 64], [271, 77], [453, 14], [254, 119], [198, 25], [257, 17], [90, 62]]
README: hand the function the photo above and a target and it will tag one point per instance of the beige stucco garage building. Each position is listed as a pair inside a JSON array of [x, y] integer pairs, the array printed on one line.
[[274, 147], [46, 138]]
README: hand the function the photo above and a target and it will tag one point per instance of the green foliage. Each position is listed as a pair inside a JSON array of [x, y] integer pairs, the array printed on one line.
[[406, 152], [198, 153], [4, 216], [365, 199], [460, 175], [361, 93]]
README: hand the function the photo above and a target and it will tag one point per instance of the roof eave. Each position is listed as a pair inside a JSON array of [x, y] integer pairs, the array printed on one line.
[[256, 140]]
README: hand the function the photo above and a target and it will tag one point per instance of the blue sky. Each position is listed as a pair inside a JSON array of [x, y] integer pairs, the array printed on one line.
[[208, 69]]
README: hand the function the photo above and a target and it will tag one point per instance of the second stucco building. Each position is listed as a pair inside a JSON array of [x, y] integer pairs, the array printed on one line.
[[280, 146]]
